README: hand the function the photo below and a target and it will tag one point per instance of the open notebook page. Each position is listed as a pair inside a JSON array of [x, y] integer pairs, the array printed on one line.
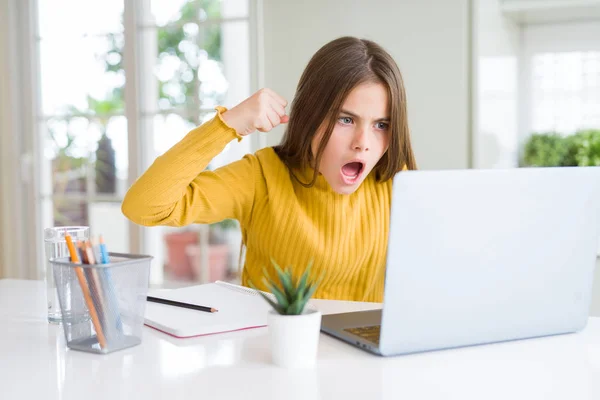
[[239, 308]]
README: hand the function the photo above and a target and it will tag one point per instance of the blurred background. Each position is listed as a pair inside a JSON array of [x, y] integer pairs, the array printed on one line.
[[91, 92]]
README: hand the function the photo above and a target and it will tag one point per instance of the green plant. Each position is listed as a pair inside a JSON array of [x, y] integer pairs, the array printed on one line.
[[570, 143], [291, 294], [588, 148], [217, 233], [555, 150], [227, 224], [106, 169], [186, 41], [545, 150]]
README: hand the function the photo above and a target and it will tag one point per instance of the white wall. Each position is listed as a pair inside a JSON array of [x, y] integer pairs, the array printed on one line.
[[498, 46], [567, 36], [429, 40]]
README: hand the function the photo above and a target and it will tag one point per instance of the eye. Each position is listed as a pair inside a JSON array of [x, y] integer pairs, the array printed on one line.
[[345, 120], [382, 125]]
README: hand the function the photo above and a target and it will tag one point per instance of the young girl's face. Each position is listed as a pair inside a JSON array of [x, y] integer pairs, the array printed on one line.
[[359, 139]]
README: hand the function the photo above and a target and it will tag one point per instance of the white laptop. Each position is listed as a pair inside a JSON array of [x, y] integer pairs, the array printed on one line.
[[482, 256]]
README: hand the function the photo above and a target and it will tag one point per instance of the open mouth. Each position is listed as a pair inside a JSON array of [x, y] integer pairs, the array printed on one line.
[[352, 171]]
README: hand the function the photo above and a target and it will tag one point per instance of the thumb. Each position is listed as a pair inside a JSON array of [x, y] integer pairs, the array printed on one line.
[[285, 119]]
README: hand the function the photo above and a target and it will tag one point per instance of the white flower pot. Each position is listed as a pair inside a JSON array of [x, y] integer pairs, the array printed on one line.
[[294, 338]]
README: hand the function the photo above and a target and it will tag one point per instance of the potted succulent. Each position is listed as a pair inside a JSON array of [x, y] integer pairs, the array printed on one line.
[[293, 328]]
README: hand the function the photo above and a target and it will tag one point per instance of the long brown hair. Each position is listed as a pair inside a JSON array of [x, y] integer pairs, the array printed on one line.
[[331, 74]]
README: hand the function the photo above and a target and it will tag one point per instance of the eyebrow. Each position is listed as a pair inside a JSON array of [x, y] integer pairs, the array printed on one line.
[[350, 113]]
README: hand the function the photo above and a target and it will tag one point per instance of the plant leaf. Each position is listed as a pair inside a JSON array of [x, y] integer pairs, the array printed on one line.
[[298, 293], [285, 280], [312, 286], [302, 283], [279, 295], [290, 273], [305, 275], [274, 288], [302, 305], [295, 308], [310, 292], [275, 306]]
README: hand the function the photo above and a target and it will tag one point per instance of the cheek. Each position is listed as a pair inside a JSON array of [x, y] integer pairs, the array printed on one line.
[[337, 139], [384, 143], [336, 145]]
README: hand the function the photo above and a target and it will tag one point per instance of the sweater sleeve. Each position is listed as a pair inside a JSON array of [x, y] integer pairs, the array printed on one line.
[[176, 190]]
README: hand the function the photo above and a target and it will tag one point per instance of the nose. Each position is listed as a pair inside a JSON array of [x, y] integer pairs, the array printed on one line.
[[360, 142]]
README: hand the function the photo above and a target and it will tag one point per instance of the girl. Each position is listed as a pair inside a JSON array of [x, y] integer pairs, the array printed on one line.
[[322, 195]]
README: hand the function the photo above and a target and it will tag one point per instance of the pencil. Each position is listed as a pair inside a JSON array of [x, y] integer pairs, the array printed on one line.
[[89, 252], [86, 291], [103, 251], [72, 251], [82, 253], [113, 316], [179, 304], [97, 252]]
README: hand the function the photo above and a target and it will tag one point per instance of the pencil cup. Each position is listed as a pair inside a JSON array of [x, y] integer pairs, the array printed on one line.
[[103, 305], [56, 246]]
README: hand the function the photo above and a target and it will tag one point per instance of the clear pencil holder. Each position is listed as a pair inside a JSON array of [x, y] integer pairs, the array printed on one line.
[[103, 305]]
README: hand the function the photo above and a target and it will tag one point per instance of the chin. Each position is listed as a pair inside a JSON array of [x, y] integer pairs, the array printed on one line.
[[345, 190], [341, 188]]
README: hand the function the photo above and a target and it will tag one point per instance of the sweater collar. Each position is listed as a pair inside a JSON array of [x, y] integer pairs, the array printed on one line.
[[306, 175]]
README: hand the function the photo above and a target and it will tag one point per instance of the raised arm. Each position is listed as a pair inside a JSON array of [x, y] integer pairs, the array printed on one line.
[[176, 190]]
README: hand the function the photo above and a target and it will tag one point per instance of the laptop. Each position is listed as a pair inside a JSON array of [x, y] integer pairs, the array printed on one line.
[[482, 256]]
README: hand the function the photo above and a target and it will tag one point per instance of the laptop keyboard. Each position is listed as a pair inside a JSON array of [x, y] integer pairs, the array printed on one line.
[[370, 333]]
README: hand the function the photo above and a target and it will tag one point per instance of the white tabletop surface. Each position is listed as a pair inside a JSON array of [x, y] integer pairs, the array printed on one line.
[[35, 364]]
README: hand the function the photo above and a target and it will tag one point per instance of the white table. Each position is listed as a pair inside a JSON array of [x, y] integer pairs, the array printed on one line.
[[35, 364]]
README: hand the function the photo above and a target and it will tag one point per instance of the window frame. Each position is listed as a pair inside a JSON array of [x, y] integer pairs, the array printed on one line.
[[26, 258], [549, 38]]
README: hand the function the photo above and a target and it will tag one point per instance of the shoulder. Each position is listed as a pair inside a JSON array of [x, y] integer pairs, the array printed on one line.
[[270, 162], [275, 173], [268, 156], [262, 160]]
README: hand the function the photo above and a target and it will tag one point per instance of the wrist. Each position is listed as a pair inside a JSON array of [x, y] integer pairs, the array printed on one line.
[[233, 120]]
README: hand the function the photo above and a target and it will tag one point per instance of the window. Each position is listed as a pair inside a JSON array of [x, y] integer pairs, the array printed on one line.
[[121, 81], [561, 77], [82, 118], [565, 91]]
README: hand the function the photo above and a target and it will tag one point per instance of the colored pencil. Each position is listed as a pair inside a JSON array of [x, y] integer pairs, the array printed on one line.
[[103, 258], [86, 292], [103, 251]]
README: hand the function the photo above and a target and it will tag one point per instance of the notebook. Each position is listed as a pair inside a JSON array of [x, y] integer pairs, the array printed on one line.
[[239, 308]]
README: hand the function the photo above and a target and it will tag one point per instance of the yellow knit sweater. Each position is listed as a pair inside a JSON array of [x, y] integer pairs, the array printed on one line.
[[344, 235]]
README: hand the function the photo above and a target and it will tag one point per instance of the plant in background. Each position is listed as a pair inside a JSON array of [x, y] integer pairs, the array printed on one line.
[[544, 150], [218, 231], [291, 294], [187, 45], [588, 148], [105, 163], [555, 150], [69, 176], [106, 169]]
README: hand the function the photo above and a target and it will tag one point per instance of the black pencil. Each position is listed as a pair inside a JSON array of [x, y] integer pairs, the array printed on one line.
[[180, 304]]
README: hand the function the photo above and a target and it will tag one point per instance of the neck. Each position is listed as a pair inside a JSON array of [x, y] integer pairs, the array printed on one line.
[[306, 175]]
